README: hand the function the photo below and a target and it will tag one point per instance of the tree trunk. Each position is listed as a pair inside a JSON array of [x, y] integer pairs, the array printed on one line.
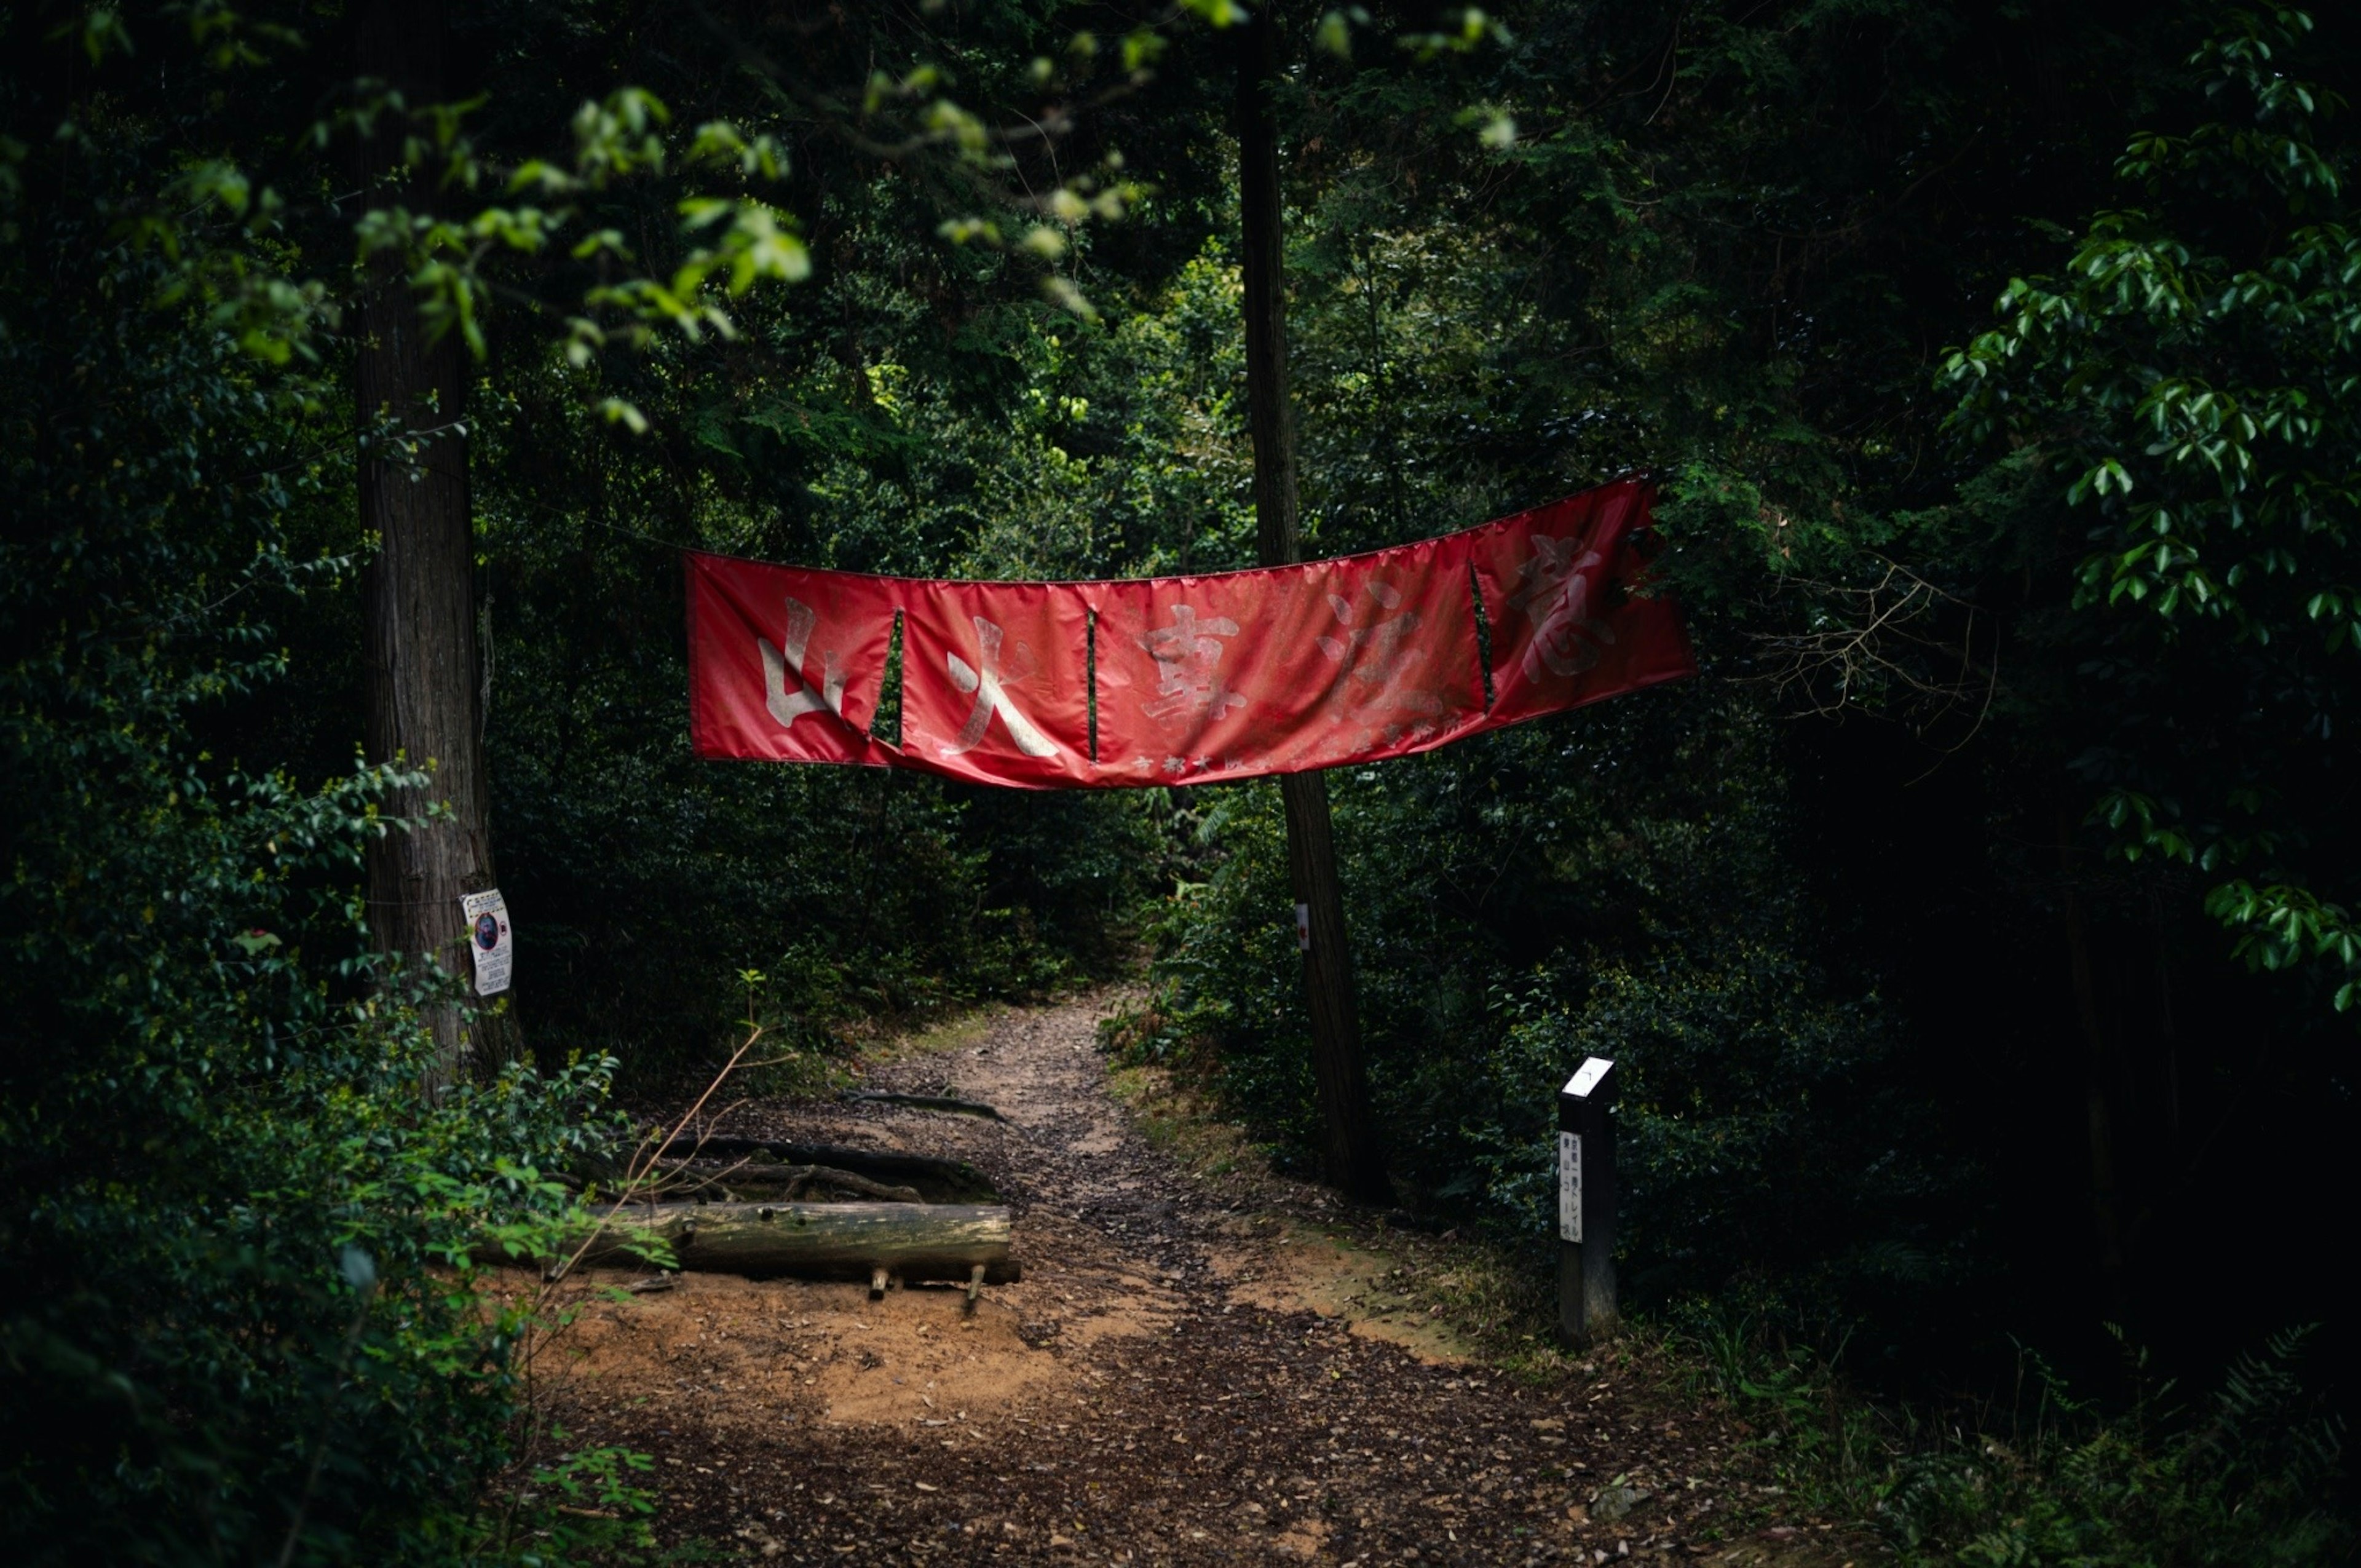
[[1354, 1160], [425, 705], [2099, 1119], [819, 1240]]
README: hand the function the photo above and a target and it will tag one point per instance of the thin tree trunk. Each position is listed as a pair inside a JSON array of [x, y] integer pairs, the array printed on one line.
[[425, 703], [2105, 1216], [1354, 1159]]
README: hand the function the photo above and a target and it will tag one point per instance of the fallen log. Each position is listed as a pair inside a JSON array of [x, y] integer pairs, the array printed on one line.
[[819, 1240], [938, 1180], [793, 1177]]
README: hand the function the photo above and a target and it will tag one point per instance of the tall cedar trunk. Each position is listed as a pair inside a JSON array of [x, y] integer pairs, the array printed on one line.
[[1354, 1162], [425, 706]]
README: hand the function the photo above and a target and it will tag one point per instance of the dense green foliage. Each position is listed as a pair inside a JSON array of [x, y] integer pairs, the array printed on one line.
[[1927, 1032], [1877, 846], [244, 1321], [2247, 1476], [2193, 372], [1921, 925], [233, 1223]]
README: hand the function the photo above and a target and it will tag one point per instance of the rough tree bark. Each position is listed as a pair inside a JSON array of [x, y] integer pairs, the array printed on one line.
[[1354, 1160], [426, 702]]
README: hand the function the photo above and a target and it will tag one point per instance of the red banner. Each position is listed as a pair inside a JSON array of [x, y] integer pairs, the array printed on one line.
[[786, 665], [1226, 676], [1566, 626], [996, 682], [1286, 669]]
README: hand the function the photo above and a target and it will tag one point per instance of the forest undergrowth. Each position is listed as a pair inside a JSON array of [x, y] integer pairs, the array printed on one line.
[[2029, 1473]]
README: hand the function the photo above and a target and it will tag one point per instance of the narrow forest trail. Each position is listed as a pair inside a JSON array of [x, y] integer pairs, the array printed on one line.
[[1181, 1378]]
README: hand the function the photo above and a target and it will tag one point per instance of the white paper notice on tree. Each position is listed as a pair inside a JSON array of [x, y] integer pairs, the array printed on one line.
[[1570, 1187], [489, 940]]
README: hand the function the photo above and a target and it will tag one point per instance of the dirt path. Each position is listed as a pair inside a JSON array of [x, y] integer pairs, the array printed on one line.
[[1158, 1389]]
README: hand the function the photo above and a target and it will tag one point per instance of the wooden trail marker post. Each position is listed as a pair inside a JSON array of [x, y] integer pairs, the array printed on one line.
[[1586, 1204]]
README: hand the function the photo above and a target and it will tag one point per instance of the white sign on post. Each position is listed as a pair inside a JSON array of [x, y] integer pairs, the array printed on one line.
[[1303, 927], [1570, 1187], [487, 940]]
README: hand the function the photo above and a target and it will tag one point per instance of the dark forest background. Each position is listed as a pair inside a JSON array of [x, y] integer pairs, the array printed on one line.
[[1970, 932]]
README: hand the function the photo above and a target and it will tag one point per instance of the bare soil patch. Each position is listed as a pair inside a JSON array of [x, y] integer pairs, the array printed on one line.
[[1195, 1369]]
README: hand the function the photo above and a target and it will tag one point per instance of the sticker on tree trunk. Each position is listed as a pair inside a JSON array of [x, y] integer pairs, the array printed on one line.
[[487, 940]]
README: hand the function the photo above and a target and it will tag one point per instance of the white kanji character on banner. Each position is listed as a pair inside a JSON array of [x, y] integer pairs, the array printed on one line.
[[1553, 591], [786, 705], [1188, 686], [1376, 662], [990, 682]]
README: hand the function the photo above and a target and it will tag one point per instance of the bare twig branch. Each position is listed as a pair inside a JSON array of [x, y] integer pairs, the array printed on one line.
[[1899, 645]]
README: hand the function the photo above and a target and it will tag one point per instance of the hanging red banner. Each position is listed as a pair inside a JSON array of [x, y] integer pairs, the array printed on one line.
[[786, 665], [1566, 627], [1286, 669], [996, 682], [1226, 676]]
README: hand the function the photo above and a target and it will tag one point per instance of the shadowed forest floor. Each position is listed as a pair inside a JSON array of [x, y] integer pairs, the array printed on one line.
[[1195, 1368]]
